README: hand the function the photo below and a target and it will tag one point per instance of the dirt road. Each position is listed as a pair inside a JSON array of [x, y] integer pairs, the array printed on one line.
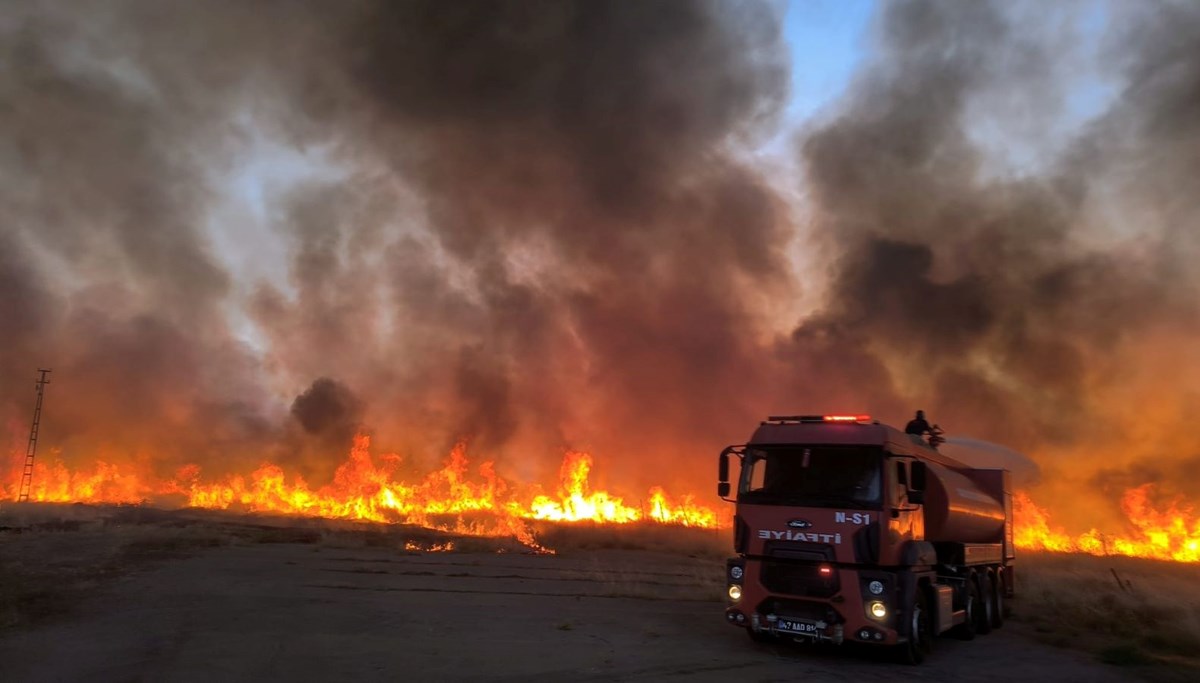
[[308, 612]]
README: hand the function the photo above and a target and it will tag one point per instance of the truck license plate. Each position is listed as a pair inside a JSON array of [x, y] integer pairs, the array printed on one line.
[[804, 628]]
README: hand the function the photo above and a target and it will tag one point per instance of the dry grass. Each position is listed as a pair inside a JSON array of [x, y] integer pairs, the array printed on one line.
[[1151, 619], [675, 540], [650, 578], [53, 556]]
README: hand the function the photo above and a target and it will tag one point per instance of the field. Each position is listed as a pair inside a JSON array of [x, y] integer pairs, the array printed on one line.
[[131, 593], [1125, 611]]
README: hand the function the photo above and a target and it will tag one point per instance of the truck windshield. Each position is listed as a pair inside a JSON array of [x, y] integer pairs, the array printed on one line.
[[820, 476]]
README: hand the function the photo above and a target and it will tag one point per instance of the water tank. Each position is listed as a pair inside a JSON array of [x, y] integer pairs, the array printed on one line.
[[957, 510]]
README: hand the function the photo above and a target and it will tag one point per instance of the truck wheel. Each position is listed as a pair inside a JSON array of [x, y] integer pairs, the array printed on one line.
[[998, 605], [985, 605], [920, 631], [966, 630]]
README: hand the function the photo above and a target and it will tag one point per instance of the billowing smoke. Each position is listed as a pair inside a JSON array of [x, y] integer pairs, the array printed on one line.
[[540, 233], [1046, 308], [541, 225], [330, 409]]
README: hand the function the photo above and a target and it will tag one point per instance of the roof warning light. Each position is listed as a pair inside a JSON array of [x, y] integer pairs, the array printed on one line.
[[833, 419]]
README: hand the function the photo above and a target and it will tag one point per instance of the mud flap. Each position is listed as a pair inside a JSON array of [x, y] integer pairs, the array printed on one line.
[[944, 609]]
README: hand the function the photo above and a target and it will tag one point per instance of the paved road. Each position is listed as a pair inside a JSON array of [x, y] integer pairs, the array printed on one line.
[[302, 612]]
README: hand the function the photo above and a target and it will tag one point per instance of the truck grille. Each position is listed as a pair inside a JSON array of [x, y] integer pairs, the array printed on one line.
[[796, 578]]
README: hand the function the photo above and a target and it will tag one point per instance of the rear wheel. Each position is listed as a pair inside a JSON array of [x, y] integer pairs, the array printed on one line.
[[966, 630], [998, 605], [986, 604], [920, 631]]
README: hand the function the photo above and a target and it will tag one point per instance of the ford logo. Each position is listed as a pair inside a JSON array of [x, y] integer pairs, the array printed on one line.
[[800, 524]]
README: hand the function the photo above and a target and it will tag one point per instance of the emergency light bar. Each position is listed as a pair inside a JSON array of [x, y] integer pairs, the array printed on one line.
[[842, 419]]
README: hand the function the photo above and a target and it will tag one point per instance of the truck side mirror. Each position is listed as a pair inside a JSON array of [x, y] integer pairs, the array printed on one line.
[[916, 497], [723, 474]]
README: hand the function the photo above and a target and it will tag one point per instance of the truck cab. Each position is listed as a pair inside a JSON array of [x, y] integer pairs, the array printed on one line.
[[850, 530]]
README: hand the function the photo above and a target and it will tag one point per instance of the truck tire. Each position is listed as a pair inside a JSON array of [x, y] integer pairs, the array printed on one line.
[[920, 631], [998, 605], [984, 609], [966, 630]]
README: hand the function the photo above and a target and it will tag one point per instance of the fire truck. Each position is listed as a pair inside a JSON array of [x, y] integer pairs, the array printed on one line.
[[848, 530]]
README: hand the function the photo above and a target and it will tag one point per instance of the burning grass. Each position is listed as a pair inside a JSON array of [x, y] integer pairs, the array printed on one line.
[[459, 498], [1125, 611], [466, 499], [1164, 531]]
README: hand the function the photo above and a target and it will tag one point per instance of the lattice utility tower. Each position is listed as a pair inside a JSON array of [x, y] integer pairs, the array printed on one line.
[[27, 475]]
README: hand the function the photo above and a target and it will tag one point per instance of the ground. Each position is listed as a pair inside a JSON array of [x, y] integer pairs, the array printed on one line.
[[268, 602]]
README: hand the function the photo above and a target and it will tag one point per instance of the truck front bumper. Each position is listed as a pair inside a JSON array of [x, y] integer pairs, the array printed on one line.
[[835, 631]]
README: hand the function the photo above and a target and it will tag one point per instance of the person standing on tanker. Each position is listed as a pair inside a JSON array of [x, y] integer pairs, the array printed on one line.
[[918, 425]]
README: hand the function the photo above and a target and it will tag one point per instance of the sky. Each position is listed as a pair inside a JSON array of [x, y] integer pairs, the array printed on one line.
[[828, 41]]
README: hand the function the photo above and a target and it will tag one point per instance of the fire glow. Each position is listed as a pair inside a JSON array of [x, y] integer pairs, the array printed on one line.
[[481, 503], [1170, 533]]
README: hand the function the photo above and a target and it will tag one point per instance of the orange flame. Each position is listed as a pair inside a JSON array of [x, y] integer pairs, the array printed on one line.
[[362, 489], [1172, 533], [482, 503], [414, 547]]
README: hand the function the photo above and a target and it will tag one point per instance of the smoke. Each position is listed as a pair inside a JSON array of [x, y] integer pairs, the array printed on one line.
[[328, 408], [535, 226], [1044, 308], [540, 234]]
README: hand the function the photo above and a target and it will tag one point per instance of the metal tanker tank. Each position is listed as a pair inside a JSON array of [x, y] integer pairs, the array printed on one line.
[[957, 510]]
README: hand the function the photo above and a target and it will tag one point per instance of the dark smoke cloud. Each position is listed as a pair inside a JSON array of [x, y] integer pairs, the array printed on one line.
[[328, 408], [536, 226]]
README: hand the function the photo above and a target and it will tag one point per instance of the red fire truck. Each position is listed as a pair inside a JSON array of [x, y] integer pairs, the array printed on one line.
[[848, 530]]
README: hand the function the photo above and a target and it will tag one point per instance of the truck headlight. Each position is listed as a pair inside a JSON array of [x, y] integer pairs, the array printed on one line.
[[735, 592], [877, 609], [735, 573], [876, 587]]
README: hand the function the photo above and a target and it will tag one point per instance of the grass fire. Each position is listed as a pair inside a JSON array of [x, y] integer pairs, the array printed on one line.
[[476, 498], [364, 490]]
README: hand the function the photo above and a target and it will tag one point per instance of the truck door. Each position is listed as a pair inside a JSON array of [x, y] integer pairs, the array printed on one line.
[[905, 520]]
